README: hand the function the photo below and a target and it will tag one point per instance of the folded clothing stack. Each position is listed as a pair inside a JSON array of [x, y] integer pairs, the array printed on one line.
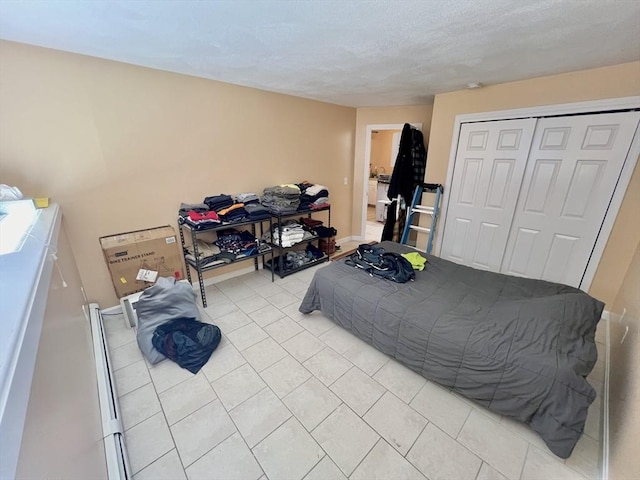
[[185, 208], [234, 213], [288, 234], [218, 202], [236, 243], [200, 221], [314, 197], [256, 211], [247, 198], [282, 199]]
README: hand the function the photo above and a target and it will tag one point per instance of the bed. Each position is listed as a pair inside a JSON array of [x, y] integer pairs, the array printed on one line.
[[517, 346]]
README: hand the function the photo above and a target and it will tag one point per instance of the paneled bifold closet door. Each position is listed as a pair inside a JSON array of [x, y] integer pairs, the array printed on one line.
[[571, 174], [528, 197], [490, 164]]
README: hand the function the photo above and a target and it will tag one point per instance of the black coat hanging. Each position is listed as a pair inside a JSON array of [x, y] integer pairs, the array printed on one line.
[[408, 172]]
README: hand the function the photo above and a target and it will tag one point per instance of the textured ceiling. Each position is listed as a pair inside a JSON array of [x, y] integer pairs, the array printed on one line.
[[347, 52]]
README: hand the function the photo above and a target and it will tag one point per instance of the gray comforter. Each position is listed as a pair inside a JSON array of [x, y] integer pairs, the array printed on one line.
[[518, 346]]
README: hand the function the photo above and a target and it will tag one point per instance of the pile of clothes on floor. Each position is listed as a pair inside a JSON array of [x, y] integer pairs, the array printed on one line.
[[169, 326]]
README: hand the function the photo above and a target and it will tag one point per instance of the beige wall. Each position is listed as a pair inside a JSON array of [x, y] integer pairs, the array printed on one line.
[[609, 82], [379, 116], [120, 146], [624, 408]]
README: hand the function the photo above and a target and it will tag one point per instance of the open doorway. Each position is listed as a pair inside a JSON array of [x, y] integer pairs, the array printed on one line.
[[381, 150]]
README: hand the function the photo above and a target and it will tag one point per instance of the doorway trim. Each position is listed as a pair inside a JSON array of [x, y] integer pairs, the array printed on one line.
[[596, 106], [367, 162]]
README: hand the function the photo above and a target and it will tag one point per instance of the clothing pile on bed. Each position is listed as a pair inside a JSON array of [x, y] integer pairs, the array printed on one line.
[[169, 326]]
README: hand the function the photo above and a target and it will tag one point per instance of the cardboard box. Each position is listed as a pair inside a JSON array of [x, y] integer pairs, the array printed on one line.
[[137, 259]]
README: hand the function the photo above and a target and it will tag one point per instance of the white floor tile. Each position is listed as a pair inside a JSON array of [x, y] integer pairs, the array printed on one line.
[[186, 397], [303, 346], [384, 463], [167, 467], [223, 361], [283, 329], [316, 324], [288, 453], [584, 458], [539, 465], [283, 299], [139, 405], [218, 443], [292, 312], [252, 304], [237, 386], [125, 355], [230, 460], [118, 334], [219, 307], [131, 377], [439, 406], [266, 315], [440, 457], [327, 365], [366, 358], [264, 354], [167, 374], [246, 336], [232, 321], [311, 403], [199, 432], [285, 376], [238, 292], [396, 422], [325, 470], [357, 390], [258, 416], [270, 289], [399, 380], [495, 444], [340, 339], [148, 441], [525, 432], [346, 438], [487, 472]]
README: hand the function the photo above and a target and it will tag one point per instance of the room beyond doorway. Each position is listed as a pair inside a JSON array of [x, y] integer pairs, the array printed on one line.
[[381, 150]]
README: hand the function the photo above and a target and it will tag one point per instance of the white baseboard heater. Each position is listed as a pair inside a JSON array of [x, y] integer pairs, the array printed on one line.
[[113, 433]]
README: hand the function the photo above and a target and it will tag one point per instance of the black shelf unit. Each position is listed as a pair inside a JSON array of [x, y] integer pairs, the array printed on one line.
[[278, 267], [200, 268]]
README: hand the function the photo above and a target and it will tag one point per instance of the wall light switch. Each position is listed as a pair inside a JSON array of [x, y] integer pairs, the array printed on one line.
[[346, 181]]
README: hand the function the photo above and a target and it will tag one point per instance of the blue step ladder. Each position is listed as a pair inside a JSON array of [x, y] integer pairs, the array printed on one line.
[[416, 207]]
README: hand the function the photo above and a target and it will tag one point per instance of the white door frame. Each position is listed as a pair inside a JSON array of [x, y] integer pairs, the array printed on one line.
[[367, 162], [596, 106]]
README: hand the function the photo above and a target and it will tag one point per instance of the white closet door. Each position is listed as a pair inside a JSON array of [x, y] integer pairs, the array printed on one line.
[[490, 164], [571, 173]]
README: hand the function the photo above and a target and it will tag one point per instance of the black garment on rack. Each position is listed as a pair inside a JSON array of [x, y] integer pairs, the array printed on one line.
[[408, 172]]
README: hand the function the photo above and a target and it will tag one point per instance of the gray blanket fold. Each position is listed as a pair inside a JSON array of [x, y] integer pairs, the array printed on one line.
[[159, 304], [518, 346]]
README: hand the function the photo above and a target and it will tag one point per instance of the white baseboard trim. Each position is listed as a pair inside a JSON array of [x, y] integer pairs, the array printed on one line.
[[115, 310], [345, 239]]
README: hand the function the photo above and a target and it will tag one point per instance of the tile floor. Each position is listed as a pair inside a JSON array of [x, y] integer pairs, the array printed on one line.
[[289, 396]]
